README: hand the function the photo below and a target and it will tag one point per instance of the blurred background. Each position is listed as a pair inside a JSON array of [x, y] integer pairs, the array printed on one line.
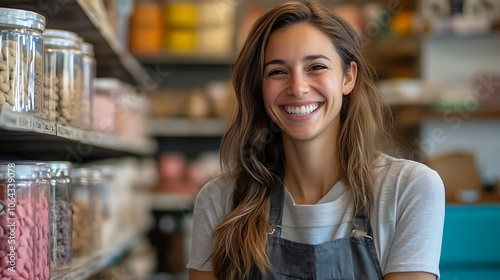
[[437, 64]]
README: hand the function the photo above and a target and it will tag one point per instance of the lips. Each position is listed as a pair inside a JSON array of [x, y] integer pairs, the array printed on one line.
[[301, 110]]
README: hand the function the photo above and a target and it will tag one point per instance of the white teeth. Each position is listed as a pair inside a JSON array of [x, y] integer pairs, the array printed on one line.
[[302, 110]]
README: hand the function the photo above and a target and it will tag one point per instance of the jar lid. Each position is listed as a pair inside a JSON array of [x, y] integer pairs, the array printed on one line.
[[96, 176], [107, 84], [57, 37], [81, 172], [88, 49], [60, 169], [24, 170], [22, 18]]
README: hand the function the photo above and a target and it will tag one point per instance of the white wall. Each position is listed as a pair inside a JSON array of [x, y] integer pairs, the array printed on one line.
[[460, 60]]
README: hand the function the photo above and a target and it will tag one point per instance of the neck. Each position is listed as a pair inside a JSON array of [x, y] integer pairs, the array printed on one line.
[[312, 168]]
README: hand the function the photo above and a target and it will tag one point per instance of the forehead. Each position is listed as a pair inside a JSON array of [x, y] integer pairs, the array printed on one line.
[[298, 40]]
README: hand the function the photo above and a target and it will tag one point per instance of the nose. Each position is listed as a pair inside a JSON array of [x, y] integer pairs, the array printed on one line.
[[298, 84]]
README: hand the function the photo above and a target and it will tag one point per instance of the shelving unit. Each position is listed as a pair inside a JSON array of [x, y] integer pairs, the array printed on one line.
[[25, 135], [178, 127], [84, 267], [113, 59], [187, 59]]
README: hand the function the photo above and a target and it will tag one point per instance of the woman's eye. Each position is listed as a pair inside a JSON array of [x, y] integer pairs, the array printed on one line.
[[317, 67], [275, 72]]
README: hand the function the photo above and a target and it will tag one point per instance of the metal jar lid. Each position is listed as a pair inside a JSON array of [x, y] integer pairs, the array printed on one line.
[[88, 49], [17, 17], [23, 170], [56, 37], [60, 169]]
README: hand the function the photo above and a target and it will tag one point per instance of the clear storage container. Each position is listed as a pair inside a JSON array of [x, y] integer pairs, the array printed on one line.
[[106, 91], [63, 76], [21, 60], [61, 215], [88, 88], [82, 223], [42, 224], [96, 209], [24, 220], [131, 114]]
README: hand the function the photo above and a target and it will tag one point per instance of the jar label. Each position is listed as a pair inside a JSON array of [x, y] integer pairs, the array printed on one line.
[[15, 120], [37, 124], [49, 127]]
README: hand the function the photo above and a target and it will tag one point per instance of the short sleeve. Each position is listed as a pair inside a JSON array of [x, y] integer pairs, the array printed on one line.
[[419, 223], [210, 208]]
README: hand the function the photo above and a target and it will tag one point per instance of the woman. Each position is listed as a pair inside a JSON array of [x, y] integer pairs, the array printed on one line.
[[306, 193]]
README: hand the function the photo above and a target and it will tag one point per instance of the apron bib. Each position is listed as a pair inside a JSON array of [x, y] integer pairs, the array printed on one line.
[[349, 258]]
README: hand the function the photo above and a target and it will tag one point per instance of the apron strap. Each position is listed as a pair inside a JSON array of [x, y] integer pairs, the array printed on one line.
[[276, 211], [361, 226]]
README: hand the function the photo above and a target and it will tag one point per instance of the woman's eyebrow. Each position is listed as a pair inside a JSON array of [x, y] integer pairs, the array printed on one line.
[[315, 56], [275, 61], [307, 58]]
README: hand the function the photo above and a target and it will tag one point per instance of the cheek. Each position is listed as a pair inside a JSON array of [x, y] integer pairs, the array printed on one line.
[[269, 93]]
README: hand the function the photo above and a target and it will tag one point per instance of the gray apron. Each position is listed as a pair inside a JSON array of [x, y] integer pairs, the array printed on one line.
[[349, 258]]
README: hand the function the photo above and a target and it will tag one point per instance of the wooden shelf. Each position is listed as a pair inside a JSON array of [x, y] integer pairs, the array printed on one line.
[[414, 114], [26, 136], [113, 59], [168, 58], [178, 127], [393, 48]]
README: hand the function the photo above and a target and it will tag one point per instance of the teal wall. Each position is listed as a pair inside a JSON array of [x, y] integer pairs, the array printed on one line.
[[471, 242]]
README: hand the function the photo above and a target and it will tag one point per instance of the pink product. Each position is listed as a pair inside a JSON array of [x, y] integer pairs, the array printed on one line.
[[130, 124], [104, 113], [24, 239]]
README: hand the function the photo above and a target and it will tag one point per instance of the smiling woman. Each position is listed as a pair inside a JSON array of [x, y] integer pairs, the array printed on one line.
[[307, 192]]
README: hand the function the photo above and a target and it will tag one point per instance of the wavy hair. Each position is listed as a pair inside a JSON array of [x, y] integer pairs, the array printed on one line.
[[251, 150]]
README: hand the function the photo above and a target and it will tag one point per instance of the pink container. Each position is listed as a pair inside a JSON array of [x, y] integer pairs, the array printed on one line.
[[106, 90], [24, 221], [131, 114]]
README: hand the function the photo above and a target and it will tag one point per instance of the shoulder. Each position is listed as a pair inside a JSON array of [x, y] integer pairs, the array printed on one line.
[[404, 170], [406, 178], [216, 195]]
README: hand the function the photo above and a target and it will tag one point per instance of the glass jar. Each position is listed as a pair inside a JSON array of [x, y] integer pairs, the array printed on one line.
[[88, 89], [42, 223], [96, 209], [131, 114], [106, 91], [24, 220], [82, 230], [21, 60], [61, 214], [63, 76]]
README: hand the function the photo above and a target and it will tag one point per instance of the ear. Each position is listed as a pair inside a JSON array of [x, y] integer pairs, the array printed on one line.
[[350, 79]]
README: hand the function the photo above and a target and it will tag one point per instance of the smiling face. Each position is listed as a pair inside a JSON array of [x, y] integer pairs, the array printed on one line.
[[303, 82]]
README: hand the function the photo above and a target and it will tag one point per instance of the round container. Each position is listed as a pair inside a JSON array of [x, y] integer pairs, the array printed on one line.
[[106, 91], [82, 223], [21, 60], [63, 76], [24, 220], [61, 215], [96, 209], [131, 114], [146, 29], [42, 223], [88, 88]]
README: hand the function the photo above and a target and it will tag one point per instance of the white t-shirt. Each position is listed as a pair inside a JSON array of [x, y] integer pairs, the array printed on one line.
[[407, 217]]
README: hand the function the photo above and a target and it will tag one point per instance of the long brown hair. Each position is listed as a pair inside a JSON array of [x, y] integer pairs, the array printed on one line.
[[251, 150]]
